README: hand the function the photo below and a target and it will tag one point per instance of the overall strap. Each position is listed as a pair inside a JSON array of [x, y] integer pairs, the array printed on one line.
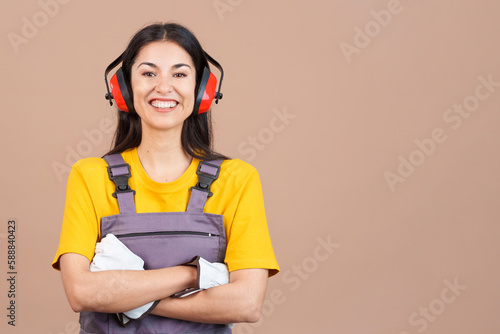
[[119, 173], [208, 172]]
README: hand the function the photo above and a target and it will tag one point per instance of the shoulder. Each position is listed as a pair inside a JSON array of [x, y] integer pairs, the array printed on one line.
[[88, 169], [238, 173], [237, 168], [87, 165]]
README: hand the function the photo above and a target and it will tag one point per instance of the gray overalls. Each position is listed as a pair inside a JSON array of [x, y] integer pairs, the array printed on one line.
[[162, 239]]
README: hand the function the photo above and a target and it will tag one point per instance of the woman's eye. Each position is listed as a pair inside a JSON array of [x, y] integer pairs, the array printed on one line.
[[179, 75], [148, 74]]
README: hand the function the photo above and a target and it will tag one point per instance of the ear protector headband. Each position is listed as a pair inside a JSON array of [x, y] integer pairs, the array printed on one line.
[[204, 97]]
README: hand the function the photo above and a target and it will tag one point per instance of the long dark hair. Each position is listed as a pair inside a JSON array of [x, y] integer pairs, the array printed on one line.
[[196, 134]]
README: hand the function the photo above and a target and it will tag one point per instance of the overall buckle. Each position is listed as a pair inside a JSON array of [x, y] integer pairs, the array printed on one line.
[[204, 179], [121, 181]]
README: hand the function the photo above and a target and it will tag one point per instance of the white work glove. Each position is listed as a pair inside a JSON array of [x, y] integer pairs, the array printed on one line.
[[209, 275], [112, 254]]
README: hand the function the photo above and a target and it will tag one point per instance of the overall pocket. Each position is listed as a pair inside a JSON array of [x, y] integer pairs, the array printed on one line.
[[166, 239]]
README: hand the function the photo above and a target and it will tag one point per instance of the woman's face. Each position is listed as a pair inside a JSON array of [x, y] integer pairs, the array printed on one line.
[[163, 80]]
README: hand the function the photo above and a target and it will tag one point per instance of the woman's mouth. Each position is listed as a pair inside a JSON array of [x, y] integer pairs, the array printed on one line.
[[164, 105]]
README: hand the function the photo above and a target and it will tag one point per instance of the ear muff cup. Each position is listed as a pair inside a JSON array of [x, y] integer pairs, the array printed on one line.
[[120, 92], [206, 92]]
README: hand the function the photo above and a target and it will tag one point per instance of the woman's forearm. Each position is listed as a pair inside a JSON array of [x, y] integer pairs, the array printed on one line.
[[239, 301], [119, 290]]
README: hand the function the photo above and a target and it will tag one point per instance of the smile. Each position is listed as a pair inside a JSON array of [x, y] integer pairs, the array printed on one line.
[[163, 104]]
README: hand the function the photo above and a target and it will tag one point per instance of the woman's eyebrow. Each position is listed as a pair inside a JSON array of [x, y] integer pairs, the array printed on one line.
[[148, 64], [176, 66], [153, 65]]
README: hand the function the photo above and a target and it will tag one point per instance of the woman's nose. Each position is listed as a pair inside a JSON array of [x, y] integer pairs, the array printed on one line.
[[164, 85]]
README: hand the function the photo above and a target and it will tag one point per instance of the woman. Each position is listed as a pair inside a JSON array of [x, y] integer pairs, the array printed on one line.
[[164, 206]]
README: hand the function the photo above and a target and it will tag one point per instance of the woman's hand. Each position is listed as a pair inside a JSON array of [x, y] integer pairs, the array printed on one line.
[[239, 301], [209, 275], [112, 254]]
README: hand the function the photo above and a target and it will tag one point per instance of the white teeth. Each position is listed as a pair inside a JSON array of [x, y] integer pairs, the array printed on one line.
[[163, 104]]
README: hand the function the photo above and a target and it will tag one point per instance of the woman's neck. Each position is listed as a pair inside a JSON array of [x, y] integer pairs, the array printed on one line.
[[162, 155]]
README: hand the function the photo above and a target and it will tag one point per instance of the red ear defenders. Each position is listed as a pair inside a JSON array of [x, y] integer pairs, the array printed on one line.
[[204, 97]]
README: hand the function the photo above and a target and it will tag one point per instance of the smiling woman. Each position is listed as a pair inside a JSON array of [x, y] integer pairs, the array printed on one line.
[[164, 235], [196, 135]]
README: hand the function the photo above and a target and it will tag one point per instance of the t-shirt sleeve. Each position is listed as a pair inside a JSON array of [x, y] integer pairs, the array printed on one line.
[[249, 243], [79, 232]]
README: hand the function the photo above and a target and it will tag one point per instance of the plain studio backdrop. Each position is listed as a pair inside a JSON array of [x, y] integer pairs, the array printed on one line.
[[373, 125]]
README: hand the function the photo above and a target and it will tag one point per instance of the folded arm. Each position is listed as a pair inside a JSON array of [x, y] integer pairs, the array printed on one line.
[[116, 291], [239, 301]]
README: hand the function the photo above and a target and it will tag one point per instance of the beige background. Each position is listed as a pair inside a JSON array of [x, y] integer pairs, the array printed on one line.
[[351, 120]]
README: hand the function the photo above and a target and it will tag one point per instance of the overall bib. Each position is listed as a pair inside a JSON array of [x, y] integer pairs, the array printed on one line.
[[162, 239]]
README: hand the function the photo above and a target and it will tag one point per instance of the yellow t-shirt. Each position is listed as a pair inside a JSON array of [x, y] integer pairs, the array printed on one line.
[[237, 195]]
